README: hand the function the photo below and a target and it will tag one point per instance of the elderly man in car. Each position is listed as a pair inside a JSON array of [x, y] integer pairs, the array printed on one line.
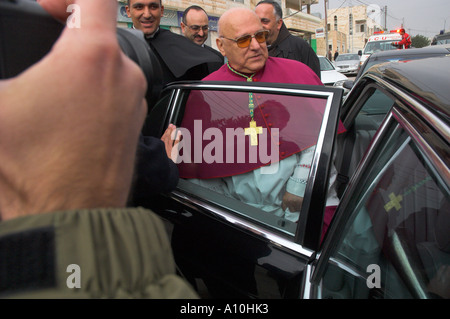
[[242, 40]]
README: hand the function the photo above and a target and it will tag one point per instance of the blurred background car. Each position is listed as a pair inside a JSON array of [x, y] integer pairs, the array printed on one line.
[[399, 56], [347, 63], [330, 76], [441, 38]]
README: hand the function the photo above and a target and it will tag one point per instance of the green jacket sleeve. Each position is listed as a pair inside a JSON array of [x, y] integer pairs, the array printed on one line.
[[98, 253]]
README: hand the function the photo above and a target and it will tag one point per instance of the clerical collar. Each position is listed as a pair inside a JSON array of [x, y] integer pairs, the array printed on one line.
[[248, 76], [151, 36], [253, 130]]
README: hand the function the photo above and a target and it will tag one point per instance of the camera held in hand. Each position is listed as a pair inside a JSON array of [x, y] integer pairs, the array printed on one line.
[[28, 32]]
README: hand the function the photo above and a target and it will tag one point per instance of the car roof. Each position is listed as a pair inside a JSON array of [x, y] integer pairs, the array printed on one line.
[[346, 54], [427, 79], [410, 52]]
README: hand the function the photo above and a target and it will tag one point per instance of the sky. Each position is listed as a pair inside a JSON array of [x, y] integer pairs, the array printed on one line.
[[426, 18]]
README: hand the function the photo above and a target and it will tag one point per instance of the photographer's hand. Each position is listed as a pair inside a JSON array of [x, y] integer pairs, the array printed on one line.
[[69, 125]]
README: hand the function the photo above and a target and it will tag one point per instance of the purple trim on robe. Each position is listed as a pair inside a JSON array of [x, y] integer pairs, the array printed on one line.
[[222, 113]]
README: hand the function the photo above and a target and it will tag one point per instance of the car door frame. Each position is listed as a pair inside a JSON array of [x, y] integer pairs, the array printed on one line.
[[400, 115], [307, 237]]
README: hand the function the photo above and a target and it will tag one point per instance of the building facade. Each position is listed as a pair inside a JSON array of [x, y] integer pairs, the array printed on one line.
[[350, 27]]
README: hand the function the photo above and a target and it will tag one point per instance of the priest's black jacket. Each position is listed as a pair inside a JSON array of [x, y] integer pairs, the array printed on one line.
[[180, 58]]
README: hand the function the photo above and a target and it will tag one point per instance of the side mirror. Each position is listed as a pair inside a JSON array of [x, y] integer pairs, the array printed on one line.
[[348, 84], [359, 52]]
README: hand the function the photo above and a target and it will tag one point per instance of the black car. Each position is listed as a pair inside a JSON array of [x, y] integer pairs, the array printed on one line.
[[400, 56], [390, 234]]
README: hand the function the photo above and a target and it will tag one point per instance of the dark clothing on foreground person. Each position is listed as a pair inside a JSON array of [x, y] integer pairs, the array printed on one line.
[[155, 172]]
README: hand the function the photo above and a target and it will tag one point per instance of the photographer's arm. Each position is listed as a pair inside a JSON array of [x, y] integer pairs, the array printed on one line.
[[68, 133]]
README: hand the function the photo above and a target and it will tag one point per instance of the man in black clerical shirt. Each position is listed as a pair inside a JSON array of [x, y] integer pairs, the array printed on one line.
[[195, 27], [180, 58]]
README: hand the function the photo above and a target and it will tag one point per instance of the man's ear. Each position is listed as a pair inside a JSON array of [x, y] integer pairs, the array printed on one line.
[[220, 46], [127, 8], [279, 24], [183, 27]]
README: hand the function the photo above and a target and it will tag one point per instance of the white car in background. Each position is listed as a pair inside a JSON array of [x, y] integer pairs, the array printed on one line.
[[330, 76], [347, 63]]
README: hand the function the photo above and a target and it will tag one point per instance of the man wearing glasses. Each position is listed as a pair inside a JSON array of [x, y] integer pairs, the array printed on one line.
[[195, 27], [180, 59], [242, 39]]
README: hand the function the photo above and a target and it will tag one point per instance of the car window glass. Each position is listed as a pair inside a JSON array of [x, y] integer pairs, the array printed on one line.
[[372, 47], [325, 64], [217, 159], [356, 141], [375, 108], [395, 243]]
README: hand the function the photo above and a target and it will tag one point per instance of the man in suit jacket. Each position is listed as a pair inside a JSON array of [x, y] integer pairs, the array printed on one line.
[[179, 58], [195, 27]]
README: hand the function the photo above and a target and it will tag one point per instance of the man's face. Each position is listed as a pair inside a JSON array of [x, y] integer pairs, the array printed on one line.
[[196, 26], [245, 60], [269, 21], [145, 14]]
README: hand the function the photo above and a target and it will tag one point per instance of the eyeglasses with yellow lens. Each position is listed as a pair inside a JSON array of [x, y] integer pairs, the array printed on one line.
[[197, 28], [244, 41]]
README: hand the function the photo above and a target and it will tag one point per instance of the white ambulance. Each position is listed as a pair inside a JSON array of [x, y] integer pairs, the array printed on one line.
[[380, 41]]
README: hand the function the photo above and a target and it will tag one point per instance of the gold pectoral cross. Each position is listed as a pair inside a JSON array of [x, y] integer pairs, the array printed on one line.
[[253, 131], [394, 203]]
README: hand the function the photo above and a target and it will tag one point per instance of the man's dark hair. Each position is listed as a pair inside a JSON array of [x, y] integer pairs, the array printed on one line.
[[276, 7], [193, 7], [128, 2]]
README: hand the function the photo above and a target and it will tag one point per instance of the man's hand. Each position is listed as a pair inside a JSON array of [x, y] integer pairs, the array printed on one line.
[[291, 201], [69, 125], [171, 138]]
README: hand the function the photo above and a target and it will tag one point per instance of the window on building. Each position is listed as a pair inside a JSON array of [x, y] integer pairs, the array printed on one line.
[[350, 23], [335, 23]]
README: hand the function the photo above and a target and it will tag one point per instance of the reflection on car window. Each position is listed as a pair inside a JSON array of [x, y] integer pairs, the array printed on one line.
[[398, 232], [376, 107], [360, 134], [257, 162]]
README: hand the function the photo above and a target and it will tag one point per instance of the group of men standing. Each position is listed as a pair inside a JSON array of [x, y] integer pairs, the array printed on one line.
[[180, 60], [254, 45]]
